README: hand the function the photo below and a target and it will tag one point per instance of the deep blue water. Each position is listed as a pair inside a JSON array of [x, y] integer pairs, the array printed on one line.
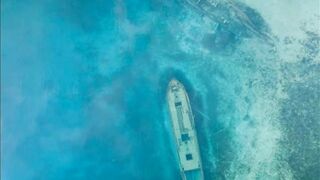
[[83, 88]]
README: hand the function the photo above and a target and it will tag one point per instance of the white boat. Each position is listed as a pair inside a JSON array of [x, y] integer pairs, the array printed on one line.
[[184, 131]]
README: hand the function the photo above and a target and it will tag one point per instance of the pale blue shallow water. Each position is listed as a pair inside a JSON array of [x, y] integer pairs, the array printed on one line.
[[83, 88]]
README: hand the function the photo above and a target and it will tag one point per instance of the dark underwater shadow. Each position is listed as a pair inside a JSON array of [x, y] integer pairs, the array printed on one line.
[[235, 22]]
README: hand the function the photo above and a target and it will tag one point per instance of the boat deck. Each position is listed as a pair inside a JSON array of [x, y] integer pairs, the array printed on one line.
[[184, 129]]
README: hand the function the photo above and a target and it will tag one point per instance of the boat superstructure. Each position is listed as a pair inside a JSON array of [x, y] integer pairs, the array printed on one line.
[[184, 131]]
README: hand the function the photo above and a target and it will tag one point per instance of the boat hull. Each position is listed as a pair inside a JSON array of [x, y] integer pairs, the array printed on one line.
[[184, 131]]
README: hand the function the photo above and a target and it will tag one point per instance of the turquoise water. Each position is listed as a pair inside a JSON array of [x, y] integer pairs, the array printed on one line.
[[83, 88]]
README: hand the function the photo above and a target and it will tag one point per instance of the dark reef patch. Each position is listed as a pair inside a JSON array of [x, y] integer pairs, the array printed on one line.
[[236, 21], [221, 40], [300, 122]]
